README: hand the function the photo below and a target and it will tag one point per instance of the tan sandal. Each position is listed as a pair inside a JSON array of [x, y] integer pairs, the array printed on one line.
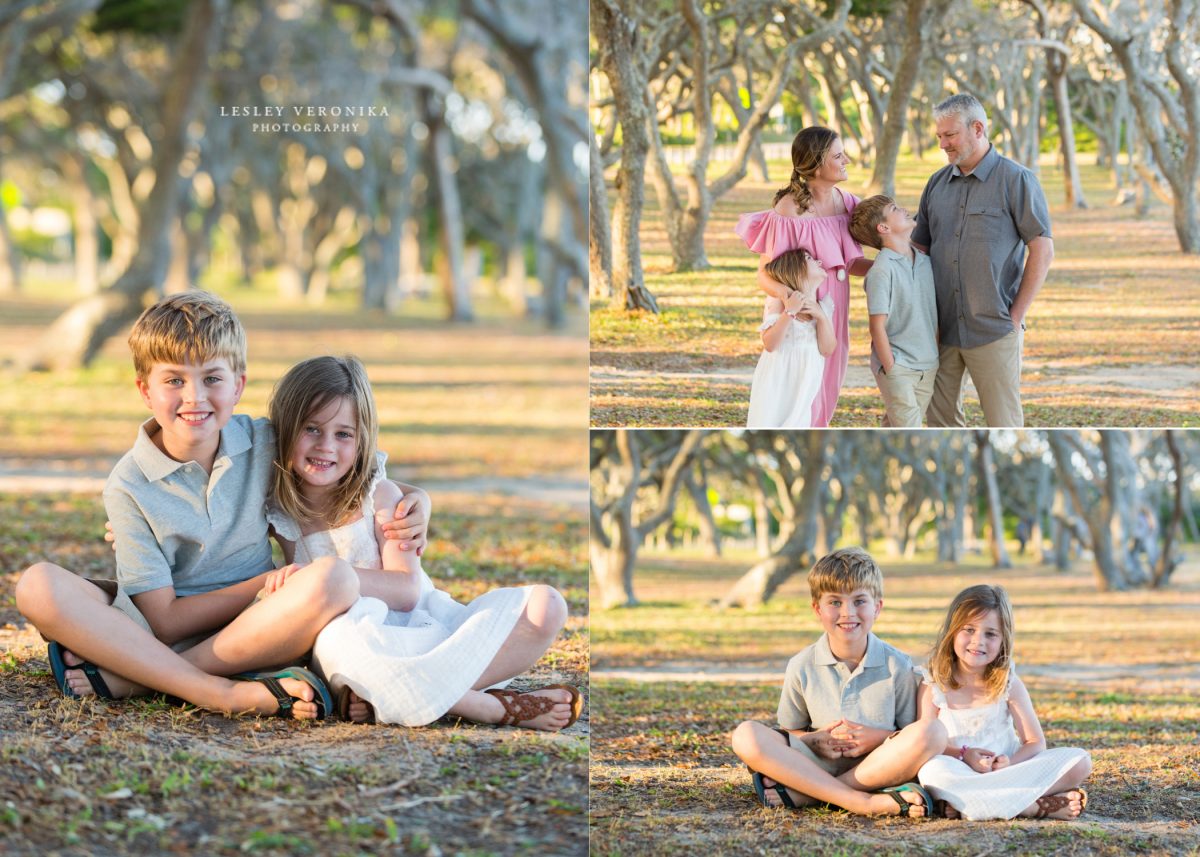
[[522, 706], [1048, 804]]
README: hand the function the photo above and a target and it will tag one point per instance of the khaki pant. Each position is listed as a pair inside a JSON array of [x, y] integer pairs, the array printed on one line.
[[996, 371], [906, 394]]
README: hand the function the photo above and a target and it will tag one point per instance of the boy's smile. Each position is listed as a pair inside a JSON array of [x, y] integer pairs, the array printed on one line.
[[191, 404], [847, 618]]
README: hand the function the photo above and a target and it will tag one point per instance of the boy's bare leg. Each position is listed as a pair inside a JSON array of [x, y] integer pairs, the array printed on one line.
[[283, 625], [75, 613], [764, 750], [898, 759]]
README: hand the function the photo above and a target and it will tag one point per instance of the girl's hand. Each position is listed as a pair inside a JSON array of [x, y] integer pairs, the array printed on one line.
[[409, 523], [794, 303], [108, 535], [979, 760], [278, 577], [1000, 761], [812, 307]]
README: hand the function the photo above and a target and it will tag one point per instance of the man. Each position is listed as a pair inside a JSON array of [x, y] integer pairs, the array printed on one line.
[[977, 216]]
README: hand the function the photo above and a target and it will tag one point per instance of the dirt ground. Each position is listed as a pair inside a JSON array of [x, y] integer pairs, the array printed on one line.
[[1115, 673], [143, 777]]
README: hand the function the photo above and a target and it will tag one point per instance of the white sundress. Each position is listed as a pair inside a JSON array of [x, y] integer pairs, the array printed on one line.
[[788, 379], [998, 794], [411, 666]]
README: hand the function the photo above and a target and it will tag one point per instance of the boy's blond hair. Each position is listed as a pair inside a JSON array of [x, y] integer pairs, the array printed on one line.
[[190, 327], [846, 570], [868, 214]]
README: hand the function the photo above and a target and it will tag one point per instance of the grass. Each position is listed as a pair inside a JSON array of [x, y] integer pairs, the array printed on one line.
[[1110, 335], [479, 409], [1114, 673]]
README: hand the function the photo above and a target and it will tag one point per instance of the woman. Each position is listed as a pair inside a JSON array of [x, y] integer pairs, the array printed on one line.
[[814, 214]]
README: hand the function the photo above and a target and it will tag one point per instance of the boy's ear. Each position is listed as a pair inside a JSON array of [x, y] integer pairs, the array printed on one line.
[[239, 388], [144, 389]]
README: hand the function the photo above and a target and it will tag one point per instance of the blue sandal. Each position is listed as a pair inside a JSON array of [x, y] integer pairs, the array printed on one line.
[[271, 681], [59, 667], [905, 806], [760, 788]]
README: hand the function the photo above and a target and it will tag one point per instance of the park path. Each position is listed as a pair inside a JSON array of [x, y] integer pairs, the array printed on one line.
[[1164, 678], [87, 476], [1174, 386]]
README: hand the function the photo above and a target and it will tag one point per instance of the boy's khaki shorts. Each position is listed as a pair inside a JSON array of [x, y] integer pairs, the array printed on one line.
[[906, 394], [122, 601]]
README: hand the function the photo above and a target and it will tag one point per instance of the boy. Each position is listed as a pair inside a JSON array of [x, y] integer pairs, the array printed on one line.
[[902, 306], [187, 512], [848, 710]]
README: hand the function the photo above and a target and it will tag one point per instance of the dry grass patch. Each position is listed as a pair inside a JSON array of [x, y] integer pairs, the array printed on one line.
[[1112, 672]]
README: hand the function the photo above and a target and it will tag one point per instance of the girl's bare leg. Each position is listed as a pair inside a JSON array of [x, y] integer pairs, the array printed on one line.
[[1067, 785], [70, 610], [544, 615]]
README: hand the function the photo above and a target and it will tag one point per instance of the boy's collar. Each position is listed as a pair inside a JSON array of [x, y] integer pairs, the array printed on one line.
[[874, 657], [156, 464]]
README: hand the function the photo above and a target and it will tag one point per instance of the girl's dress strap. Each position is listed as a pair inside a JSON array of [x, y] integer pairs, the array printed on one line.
[[368, 505], [939, 696]]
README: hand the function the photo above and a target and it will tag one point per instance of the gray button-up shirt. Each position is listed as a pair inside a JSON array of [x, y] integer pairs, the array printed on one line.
[[976, 228], [902, 289], [818, 689], [176, 525]]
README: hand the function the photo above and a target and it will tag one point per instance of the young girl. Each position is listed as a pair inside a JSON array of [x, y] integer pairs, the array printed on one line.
[[797, 336], [405, 652], [813, 212], [996, 764]]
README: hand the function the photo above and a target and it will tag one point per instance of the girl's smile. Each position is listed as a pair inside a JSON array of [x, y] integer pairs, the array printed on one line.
[[327, 445], [978, 642]]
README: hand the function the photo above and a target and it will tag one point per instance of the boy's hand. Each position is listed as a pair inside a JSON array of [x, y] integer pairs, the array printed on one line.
[[830, 741], [410, 522], [979, 760], [862, 739], [278, 577]]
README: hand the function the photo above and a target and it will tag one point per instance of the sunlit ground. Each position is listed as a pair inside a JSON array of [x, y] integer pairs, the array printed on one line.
[[1110, 340]]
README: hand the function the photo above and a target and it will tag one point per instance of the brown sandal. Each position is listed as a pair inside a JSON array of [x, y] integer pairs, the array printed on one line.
[[343, 706], [522, 706], [1053, 803]]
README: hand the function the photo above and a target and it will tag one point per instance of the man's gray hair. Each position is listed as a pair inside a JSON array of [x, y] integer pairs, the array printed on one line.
[[965, 107]]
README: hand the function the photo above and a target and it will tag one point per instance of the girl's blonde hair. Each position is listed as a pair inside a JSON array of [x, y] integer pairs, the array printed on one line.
[[790, 268], [809, 150], [306, 390], [968, 606]]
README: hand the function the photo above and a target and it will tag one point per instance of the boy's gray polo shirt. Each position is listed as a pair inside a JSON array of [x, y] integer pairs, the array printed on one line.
[[902, 289], [817, 689], [176, 525], [976, 228]]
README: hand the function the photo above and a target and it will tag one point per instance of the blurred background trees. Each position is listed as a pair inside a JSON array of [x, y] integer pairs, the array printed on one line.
[[707, 89], [465, 166], [1120, 501]]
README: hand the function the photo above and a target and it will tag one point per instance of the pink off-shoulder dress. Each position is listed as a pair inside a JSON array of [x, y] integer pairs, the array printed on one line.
[[829, 240]]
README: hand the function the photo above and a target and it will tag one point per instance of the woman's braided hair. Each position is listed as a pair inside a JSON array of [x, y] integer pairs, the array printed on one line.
[[809, 149]]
